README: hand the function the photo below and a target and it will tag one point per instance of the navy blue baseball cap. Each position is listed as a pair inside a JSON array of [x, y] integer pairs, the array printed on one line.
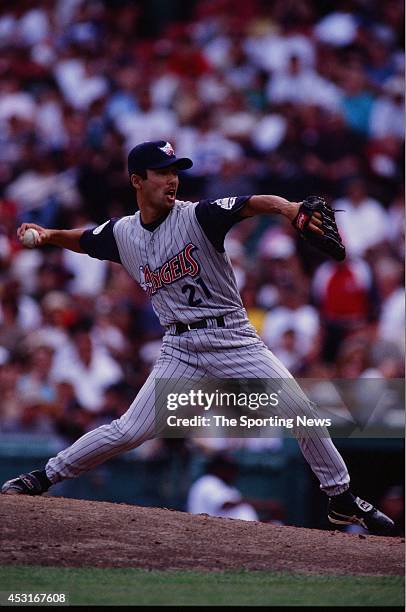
[[155, 154]]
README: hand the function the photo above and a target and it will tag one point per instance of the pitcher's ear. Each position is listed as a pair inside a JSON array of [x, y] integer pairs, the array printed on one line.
[[135, 180]]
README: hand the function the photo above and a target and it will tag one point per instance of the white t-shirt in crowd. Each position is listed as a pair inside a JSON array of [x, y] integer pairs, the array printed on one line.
[[209, 493]]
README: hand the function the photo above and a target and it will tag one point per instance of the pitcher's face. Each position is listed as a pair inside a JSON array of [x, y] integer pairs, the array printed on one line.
[[159, 188]]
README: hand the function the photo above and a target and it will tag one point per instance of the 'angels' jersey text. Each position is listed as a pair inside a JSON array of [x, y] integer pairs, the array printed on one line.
[[183, 264]]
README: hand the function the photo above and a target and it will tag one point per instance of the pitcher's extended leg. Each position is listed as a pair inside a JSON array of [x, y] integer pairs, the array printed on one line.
[[135, 426], [318, 449]]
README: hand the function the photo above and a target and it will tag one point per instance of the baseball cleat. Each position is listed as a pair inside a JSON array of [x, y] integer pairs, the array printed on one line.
[[360, 512], [33, 483]]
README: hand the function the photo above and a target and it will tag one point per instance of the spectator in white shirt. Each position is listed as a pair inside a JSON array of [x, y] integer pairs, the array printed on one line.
[[388, 112], [14, 102], [89, 369], [295, 317], [300, 85], [364, 222], [389, 276], [214, 494], [80, 81], [146, 123]]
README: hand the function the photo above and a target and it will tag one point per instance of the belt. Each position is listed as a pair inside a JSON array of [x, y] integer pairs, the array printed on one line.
[[181, 328]]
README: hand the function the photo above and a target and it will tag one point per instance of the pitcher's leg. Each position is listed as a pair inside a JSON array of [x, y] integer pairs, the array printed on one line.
[[135, 426], [315, 443], [317, 448], [132, 429], [326, 463]]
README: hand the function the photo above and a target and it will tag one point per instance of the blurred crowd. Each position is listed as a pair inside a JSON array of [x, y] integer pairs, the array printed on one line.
[[289, 97]]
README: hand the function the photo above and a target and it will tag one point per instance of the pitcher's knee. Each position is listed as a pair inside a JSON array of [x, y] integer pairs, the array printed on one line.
[[123, 434], [128, 436]]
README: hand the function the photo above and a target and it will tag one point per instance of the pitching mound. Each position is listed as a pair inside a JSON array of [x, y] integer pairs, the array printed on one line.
[[74, 533]]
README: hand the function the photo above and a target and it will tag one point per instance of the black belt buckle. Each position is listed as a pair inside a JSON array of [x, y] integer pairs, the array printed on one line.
[[181, 328]]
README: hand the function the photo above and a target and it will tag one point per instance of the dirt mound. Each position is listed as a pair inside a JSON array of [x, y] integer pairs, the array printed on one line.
[[75, 533]]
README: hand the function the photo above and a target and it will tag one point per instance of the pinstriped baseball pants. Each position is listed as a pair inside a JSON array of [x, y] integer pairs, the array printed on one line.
[[233, 352]]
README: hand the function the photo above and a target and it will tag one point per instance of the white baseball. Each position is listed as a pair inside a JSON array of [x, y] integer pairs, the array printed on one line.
[[30, 238]]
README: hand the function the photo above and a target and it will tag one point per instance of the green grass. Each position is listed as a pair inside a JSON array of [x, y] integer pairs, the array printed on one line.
[[89, 586]]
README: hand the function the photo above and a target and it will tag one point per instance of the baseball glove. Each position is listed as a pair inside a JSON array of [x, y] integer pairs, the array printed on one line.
[[330, 242]]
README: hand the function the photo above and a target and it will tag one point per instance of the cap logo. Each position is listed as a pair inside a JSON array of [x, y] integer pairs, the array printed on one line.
[[167, 149]]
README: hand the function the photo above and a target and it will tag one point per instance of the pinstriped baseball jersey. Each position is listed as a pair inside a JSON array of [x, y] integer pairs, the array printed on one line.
[[180, 264], [185, 276]]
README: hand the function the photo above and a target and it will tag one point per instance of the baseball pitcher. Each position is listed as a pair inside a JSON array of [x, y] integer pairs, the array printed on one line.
[[175, 251]]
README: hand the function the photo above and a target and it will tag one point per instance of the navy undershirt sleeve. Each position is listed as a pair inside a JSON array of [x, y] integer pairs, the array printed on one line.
[[100, 242], [217, 217]]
